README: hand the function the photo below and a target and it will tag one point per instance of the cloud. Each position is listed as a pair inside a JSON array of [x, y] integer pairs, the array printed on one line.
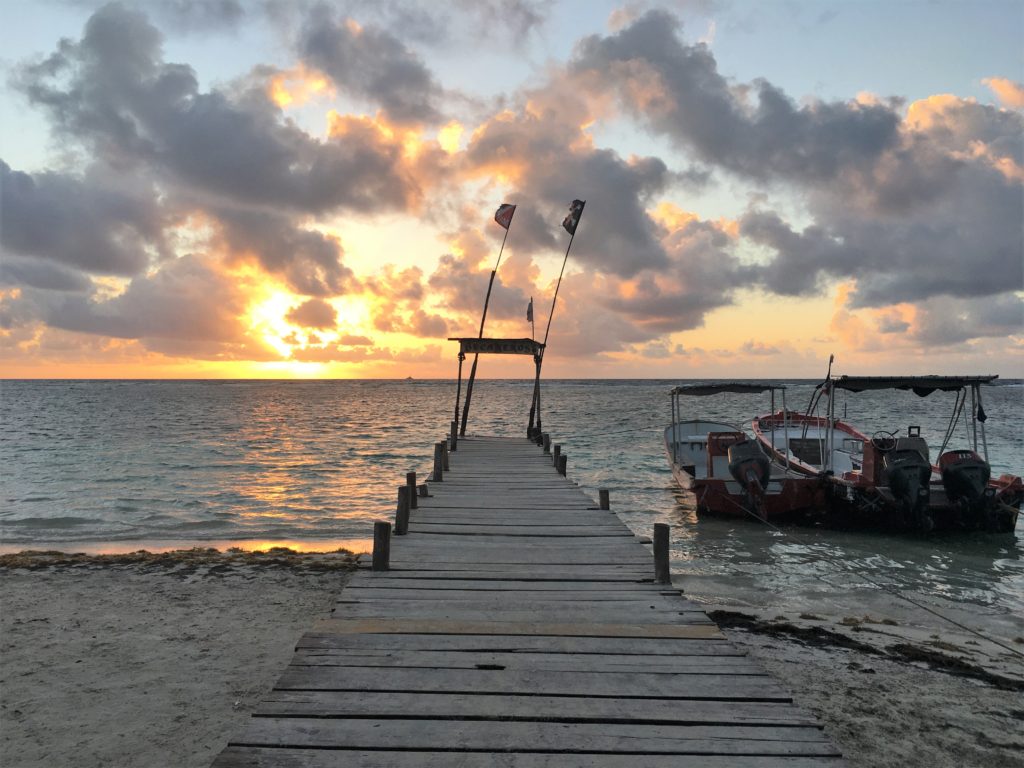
[[756, 131], [314, 313], [113, 92], [1009, 93], [94, 223], [373, 64]]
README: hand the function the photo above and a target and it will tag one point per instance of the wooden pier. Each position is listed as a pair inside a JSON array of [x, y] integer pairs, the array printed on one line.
[[518, 624]]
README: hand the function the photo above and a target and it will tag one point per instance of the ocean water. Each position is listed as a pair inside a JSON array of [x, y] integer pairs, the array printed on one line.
[[117, 465]]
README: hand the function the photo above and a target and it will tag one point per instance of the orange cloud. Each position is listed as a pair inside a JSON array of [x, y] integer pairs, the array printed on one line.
[[1009, 93], [294, 87]]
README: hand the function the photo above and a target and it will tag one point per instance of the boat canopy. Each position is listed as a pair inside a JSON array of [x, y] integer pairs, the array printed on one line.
[[717, 388], [921, 385]]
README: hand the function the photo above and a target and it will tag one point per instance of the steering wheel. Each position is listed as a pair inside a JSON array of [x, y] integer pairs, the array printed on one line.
[[884, 441]]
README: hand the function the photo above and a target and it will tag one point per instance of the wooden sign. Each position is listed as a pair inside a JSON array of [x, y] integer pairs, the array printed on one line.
[[474, 346]]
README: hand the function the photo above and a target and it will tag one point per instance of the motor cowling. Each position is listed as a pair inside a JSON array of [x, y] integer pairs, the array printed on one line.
[[907, 472], [964, 475], [747, 462]]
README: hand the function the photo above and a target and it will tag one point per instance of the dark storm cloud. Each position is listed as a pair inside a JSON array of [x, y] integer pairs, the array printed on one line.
[[315, 313], [373, 64], [113, 92], [89, 222], [946, 321]]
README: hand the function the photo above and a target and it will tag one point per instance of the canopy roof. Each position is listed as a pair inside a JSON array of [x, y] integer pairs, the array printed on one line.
[[921, 385], [718, 387]]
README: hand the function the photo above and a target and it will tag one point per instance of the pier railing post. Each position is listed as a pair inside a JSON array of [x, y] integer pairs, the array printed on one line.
[[455, 435], [603, 495], [546, 438], [438, 475], [444, 456], [662, 574], [410, 480], [556, 451], [402, 512], [563, 461], [381, 546]]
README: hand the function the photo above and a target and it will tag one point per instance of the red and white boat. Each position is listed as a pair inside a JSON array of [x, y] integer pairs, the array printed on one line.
[[728, 472], [889, 478]]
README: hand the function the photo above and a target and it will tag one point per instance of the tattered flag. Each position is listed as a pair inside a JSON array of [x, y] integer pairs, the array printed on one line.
[[529, 311], [504, 214], [571, 221]]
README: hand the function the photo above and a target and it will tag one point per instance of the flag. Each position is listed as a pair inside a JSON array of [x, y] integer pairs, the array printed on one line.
[[571, 221], [504, 214], [529, 311]]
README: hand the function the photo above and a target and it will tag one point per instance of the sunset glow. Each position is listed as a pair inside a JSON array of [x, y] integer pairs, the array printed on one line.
[[321, 204]]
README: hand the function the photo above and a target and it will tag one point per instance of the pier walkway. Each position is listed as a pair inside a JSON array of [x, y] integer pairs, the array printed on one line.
[[519, 625]]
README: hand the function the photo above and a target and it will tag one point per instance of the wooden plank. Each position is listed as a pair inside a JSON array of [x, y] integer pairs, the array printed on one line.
[[428, 626], [485, 611], [649, 647], [385, 581], [550, 708], [271, 757], [499, 736], [562, 662], [549, 683], [364, 594]]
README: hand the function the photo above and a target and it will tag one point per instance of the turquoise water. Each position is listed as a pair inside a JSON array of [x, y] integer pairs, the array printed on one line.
[[118, 464]]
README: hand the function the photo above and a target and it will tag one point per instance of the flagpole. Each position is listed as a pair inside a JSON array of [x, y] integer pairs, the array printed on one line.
[[483, 318], [535, 405]]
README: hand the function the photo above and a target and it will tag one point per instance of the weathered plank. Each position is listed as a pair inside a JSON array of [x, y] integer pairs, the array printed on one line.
[[562, 709], [429, 626], [264, 757]]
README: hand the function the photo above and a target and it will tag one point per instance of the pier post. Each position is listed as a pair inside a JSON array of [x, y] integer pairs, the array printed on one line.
[[444, 456], [556, 451], [662, 574], [605, 502], [410, 480], [547, 442], [381, 546], [455, 434], [402, 512], [563, 460], [424, 490], [438, 475]]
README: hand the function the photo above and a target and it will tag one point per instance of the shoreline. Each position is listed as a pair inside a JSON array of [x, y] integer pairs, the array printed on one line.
[[139, 659]]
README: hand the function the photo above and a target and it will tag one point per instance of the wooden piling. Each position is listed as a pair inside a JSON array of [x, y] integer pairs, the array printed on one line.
[[410, 480], [444, 456], [424, 491], [402, 512], [438, 474], [563, 461], [556, 451], [381, 546], [546, 438], [662, 574], [455, 436], [605, 502]]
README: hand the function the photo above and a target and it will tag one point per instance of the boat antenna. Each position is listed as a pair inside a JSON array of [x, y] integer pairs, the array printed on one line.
[[503, 216]]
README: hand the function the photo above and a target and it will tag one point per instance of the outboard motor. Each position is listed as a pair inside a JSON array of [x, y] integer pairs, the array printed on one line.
[[907, 472], [752, 469], [964, 475]]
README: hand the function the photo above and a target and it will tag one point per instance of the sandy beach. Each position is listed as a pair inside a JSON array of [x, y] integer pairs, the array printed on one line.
[[155, 661], [147, 661]]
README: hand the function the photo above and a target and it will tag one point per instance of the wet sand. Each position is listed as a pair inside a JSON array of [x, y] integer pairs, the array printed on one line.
[[157, 660]]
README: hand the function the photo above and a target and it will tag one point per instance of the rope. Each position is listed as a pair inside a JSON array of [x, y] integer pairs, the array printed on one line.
[[884, 588]]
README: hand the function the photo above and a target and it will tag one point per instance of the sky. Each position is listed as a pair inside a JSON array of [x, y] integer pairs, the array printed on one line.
[[296, 189]]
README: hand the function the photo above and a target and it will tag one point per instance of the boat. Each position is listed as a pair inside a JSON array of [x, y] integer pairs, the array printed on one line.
[[889, 479], [727, 470]]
